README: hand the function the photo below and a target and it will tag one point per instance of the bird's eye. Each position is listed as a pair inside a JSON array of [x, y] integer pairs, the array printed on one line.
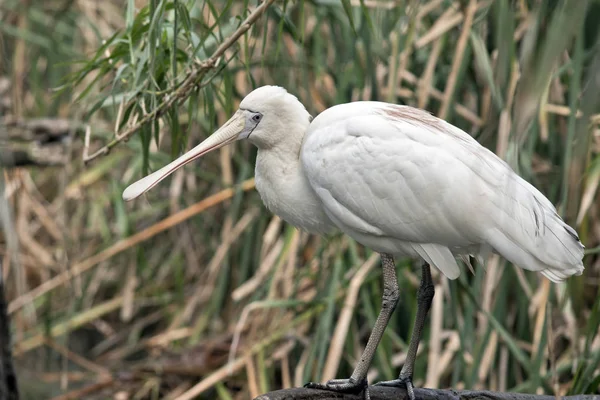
[[256, 118]]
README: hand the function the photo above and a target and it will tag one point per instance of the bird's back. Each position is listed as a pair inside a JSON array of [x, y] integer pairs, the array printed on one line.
[[398, 178]]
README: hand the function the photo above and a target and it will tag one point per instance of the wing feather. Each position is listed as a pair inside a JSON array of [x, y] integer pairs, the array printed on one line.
[[400, 180]]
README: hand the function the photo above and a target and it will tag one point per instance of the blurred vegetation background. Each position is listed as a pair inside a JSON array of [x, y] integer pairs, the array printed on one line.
[[195, 290]]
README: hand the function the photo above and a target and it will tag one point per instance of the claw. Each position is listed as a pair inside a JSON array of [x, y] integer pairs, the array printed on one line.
[[400, 382], [342, 385]]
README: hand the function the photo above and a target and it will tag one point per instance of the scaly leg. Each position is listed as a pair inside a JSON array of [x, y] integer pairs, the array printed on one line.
[[358, 380], [424, 299]]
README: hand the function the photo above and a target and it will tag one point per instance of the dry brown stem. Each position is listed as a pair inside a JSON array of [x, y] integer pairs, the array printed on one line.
[[125, 244]]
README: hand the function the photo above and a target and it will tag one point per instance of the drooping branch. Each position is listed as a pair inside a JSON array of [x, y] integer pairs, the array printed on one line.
[[182, 92], [390, 393]]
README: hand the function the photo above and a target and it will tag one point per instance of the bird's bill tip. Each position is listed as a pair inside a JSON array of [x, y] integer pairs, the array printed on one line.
[[135, 190], [131, 192], [141, 186]]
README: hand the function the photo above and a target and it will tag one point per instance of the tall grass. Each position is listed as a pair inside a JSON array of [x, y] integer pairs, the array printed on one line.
[[147, 299]]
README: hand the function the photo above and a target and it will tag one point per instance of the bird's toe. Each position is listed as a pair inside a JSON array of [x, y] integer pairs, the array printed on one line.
[[400, 382], [340, 385]]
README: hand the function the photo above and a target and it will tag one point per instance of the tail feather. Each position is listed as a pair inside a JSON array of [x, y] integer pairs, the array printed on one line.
[[440, 257], [529, 232]]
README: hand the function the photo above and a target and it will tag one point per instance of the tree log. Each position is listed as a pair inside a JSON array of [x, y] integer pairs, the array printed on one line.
[[390, 393], [8, 378], [36, 142]]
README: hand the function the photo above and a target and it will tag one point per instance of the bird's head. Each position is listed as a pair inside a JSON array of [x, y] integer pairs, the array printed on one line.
[[264, 117]]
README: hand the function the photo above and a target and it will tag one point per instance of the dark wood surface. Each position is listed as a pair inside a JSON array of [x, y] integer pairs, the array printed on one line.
[[8, 378], [388, 393], [36, 142]]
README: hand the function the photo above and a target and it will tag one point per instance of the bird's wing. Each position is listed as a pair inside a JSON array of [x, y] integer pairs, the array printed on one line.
[[391, 174]]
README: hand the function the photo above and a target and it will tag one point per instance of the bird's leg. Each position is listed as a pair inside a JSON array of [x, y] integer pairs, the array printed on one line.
[[424, 298], [358, 380]]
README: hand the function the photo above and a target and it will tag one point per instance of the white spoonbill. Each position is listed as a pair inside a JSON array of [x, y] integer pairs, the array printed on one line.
[[397, 180]]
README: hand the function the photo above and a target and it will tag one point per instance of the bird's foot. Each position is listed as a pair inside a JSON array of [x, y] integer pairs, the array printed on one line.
[[405, 382], [349, 385]]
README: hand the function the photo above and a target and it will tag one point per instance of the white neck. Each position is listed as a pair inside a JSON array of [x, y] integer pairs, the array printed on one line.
[[284, 188]]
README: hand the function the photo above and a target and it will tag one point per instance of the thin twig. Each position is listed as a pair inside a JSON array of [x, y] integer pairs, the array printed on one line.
[[179, 94], [458, 58], [86, 390], [334, 355]]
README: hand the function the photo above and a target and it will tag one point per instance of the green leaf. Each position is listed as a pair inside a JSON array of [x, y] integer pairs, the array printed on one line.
[[484, 64], [348, 10]]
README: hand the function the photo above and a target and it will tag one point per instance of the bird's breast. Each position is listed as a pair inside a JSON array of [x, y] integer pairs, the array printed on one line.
[[286, 192]]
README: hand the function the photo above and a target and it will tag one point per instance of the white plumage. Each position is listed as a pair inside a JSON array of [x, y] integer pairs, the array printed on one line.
[[402, 181], [397, 180]]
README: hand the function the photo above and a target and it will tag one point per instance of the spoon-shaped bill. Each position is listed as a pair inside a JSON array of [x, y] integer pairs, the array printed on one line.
[[228, 133]]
